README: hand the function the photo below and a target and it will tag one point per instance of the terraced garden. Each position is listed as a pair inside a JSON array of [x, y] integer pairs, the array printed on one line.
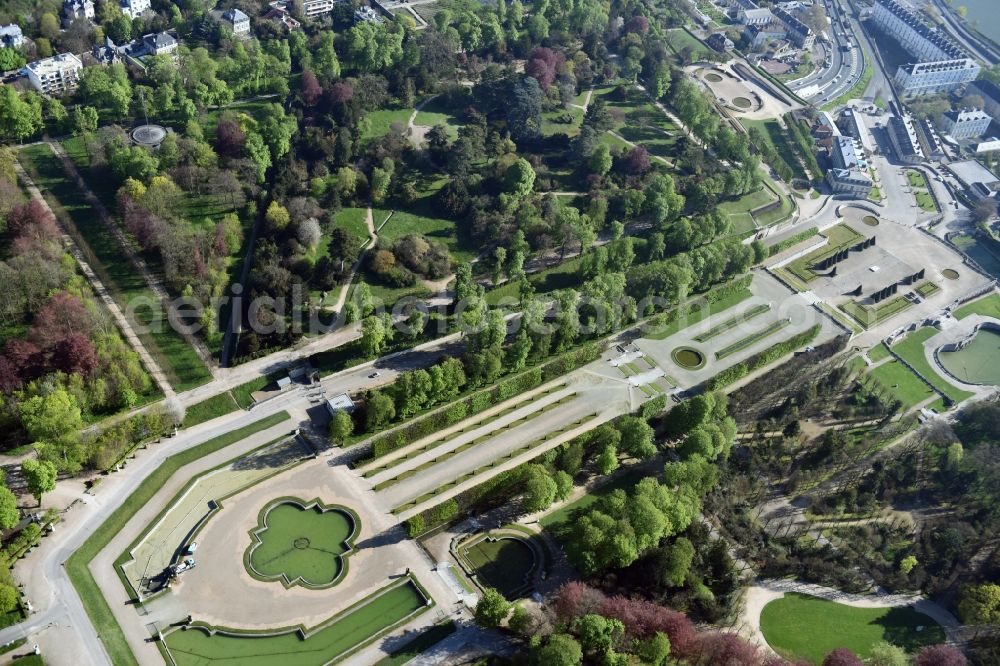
[[752, 339], [839, 237]]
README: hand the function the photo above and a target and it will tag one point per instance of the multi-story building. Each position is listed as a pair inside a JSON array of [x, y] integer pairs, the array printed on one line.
[[920, 41], [798, 33], [55, 75], [134, 8], [238, 21], [965, 124], [311, 8], [846, 153], [759, 35], [939, 65], [77, 9], [756, 16], [904, 139], [11, 36], [990, 94], [929, 78], [849, 181], [720, 42]]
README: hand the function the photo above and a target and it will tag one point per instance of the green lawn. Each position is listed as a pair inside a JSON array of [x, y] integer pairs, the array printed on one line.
[[778, 138], [916, 179], [839, 236], [553, 122], [925, 201], [738, 210], [878, 352], [799, 626], [869, 316], [179, 361], [206, 410], [423, 642], [380, 122], [988, 307], [679, 39], [341, 634], [436, 112], [77, 566], [911, 348], [901, 383], [503, 564]]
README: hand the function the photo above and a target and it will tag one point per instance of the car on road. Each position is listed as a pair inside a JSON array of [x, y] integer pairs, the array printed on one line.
[[374, 375]]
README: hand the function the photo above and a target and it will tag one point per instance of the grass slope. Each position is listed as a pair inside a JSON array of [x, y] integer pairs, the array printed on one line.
[[801, 626], [77, 567]]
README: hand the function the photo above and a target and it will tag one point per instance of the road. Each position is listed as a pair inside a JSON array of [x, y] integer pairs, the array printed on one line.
[[45, 580]]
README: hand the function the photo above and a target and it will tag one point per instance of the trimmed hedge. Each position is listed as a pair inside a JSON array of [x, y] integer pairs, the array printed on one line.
[[792, 240], [769, 355], [480, 401], [729, 289]]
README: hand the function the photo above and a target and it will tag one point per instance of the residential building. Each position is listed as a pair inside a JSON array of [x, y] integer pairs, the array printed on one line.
[[107, 54], [930, 78], [798, 32], [853, 124], [11, 36], [965, 124], [311, 8], [990, 94], [367, 13], [160, 43], [920, 41], [77, 9], [238, 21], [755, 16], [971, 172], [849, 181], [720, 42], [280, 15], [134, 8], [55, 75], [904, 139], [939, 64], [760, 35], [989, 145], [846, 154]]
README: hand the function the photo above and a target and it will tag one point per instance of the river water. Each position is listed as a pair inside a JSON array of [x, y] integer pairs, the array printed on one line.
[[985, 14]]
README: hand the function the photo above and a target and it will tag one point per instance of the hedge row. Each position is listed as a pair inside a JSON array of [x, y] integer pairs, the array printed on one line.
[[792, 240], [807, 150], [769, 355], [481, 401], [499, 489]]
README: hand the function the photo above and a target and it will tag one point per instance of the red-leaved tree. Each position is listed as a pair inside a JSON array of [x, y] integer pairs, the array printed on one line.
[[62, 316], [940, 655], [311, 89], [75, 355], [842, 657]]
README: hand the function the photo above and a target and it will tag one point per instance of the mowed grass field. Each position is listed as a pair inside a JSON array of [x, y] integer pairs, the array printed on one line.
[[502, 564], [912, 349], [180, 362], [897, 380], [343, 633], [800, 626], [988, 307]]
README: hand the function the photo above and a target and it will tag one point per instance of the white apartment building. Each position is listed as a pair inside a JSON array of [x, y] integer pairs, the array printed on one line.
[[311, 8], [55, 75], [965, 124], [755, 16], [929, 78]]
